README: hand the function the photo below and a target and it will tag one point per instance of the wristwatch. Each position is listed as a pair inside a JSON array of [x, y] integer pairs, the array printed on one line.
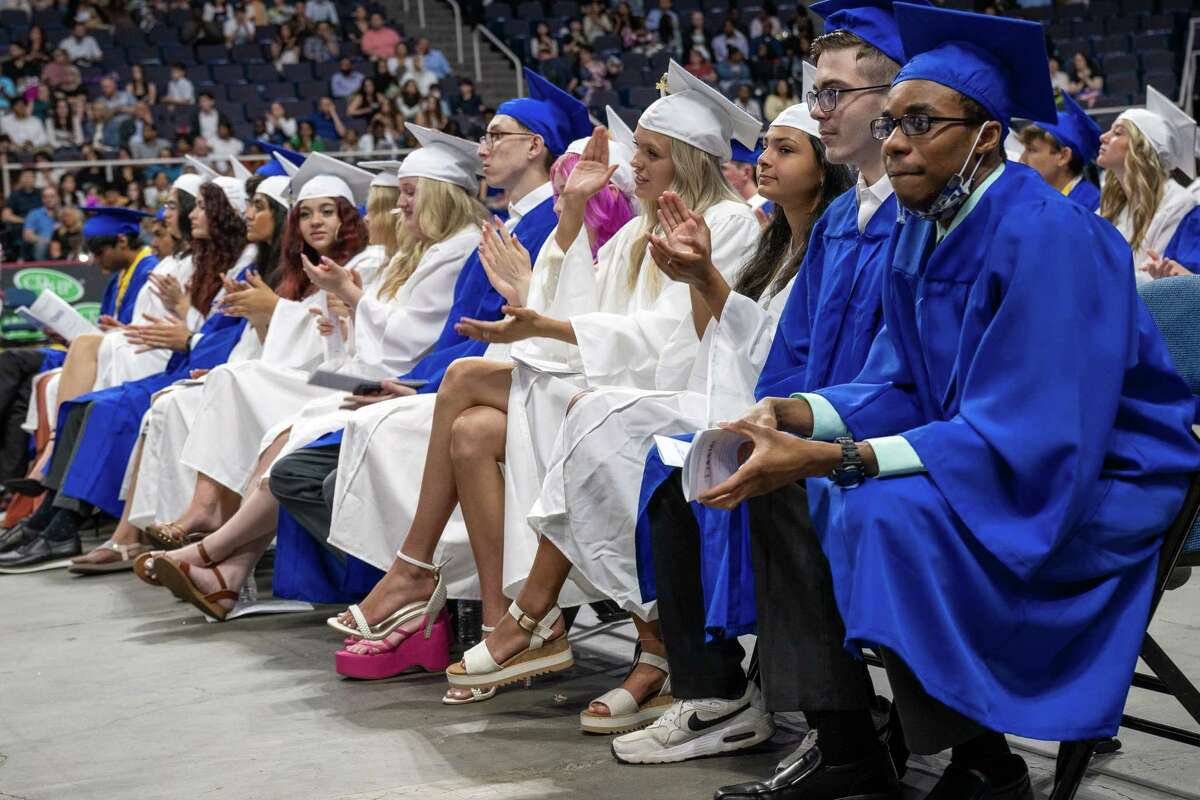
[[850, 472]]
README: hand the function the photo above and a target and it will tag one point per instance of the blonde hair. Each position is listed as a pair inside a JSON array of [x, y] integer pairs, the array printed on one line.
[[443, 209], [381, 228], [1142, 188], [699, 182]]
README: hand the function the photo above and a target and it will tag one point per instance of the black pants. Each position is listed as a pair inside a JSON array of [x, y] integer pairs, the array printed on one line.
[[303, 483], [66, 442], [803, 662], [17, 368]]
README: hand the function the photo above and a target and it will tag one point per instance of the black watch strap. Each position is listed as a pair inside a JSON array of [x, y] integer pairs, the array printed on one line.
[[851, 471]]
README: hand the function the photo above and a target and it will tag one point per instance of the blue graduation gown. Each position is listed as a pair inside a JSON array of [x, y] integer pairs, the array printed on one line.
[[1086, 194], [106, 442], [1184, 246], [1014, 577], [823, 336], [141, 273], [306, 571]]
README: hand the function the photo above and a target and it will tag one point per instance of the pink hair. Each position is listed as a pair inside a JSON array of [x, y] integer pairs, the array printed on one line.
[[606, 212]]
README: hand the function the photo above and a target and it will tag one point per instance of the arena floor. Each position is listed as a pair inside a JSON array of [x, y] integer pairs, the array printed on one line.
[[109, 690]]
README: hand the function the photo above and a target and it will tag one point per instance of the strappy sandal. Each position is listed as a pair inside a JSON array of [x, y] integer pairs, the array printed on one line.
[[625, 713], [386, 660], [171, 535], [544, 656], [175, 576], [428, 608], [143, 568], [477, 695], [123, 560]]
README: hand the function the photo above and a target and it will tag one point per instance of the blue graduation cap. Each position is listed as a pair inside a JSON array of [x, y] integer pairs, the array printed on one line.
[[873, 21], [549, 112], [271, 168], [744, 154], [998, 62], [110, 221], [161, 214], [1075, 129]]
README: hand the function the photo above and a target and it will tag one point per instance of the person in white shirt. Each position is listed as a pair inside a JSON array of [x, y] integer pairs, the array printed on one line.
[[425, 78], [278, 121], [208, 119], [81, 46], [180, 91], [321, 11], [25, 130], [226, 145], [239, 29]]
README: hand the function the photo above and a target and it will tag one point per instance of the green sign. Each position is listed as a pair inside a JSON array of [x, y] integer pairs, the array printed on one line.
[[35, 279], [89, 311]]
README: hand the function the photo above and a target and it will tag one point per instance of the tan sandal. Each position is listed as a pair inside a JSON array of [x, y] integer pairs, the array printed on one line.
[[544, 655], [172, 536], [175, 576], [143, 568], [108, 557], [625, 713]]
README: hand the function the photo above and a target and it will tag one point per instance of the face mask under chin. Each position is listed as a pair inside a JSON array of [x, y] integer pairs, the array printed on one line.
[[956, 191]]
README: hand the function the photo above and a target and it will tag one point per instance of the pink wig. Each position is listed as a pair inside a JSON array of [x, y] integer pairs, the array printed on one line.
[[606, 212]]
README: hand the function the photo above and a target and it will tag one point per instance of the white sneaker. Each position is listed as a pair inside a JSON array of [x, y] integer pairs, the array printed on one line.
[[696, 728]]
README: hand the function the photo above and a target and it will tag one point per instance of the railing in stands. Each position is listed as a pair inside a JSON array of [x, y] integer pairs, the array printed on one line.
[[1187, 82], [421, 13], [113, 163], [507, 53], [457, 9]]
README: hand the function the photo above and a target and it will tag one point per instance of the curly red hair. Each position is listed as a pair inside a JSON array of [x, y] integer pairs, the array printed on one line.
[[351, 238], [216, 254]]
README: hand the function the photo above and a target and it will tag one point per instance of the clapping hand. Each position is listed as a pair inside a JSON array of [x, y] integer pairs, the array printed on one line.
[[518, 324], [331, 276], [253, 299], [169, 333], [109, 323], [593, 172], [506, 262], [170, 292], [685, 254]]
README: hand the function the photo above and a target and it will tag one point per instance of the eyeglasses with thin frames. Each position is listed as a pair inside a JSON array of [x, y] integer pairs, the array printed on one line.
[[490, 138], [912, 124], [827, 99]]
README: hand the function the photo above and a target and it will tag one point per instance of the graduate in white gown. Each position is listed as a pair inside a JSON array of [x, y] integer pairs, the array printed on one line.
[[438, 230], [1141, 151], [155, 472], [621, 323]]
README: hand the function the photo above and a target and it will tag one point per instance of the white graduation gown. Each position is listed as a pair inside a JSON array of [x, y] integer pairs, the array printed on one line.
[[1176, 203], [243, 401], [589, 498]]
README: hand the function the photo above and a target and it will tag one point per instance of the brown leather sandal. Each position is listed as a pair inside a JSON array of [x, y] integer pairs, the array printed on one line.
[[175, 576], [143, 568], [172, 536]]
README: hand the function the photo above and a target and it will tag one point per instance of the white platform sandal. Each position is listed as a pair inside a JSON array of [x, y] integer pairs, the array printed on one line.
[[429, 609], [477, 695], [479, 670], [625, 714]]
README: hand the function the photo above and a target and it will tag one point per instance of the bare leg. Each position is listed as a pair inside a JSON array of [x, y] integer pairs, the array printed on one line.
[[211, 505], [468, 382], [79, 370]]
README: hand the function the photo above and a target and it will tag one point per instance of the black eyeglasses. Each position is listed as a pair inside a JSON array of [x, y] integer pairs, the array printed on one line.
[[828, 98], [911, 124], [490, 138]]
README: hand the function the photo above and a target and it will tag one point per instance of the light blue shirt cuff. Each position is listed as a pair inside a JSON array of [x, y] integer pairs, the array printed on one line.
[[895, 456], [827, 422]]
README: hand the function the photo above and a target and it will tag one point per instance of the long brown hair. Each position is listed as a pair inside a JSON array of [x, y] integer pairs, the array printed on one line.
[[351, 239], [1142, 188], [216, 254]]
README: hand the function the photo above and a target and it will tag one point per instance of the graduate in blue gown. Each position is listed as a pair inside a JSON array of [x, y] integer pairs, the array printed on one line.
[[304, 568], [1060, 150], [1018, 441], [1182, 254]]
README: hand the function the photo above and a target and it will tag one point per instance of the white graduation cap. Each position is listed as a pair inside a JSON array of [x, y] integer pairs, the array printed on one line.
[[620, 150], [696, 113], [386, 179], [201, 168], [290, 168], [190, 183], [1169, 129], [1013, 148], [324, 176], [797, 116], [239, 170], [278, 188], [441, 157], [808, 80], [234, 190]]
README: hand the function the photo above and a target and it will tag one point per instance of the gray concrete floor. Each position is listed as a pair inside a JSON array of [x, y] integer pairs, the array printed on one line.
[[110, 689]]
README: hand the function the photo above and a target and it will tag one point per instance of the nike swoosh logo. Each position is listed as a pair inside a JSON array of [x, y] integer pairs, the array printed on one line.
[[695, 724]]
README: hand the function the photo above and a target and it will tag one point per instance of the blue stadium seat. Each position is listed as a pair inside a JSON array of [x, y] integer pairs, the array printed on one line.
[[1116, 43], [1151, 41], [1165, 82], [659, 61], [1103, 9], [530, 11], [1122, 24], [328, 69], [247, 54], [212, 54], [298, 72], [1041, 14], [1071, 11], [171, 52], [228, 73], [265, 34], [241, 92], [1131, 7], [1087, 27], [517, 27], [1119, 63], [497, 12], [1181, 6], [607, 44], [642, 96], [177, 17], [601, 98], [158, 74], [311, 90], [635, 61], [1125, 83], [564, 8], [1157, 61], [1156, 23]]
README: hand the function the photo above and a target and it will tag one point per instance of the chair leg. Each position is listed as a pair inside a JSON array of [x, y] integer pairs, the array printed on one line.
[[1073, 760]]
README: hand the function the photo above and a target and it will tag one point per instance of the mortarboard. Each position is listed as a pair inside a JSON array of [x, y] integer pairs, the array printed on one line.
[[202, 169], [797, 116], [873, 21], [744, 155], [189, 183], [696, 113], [278, 188], [112, 221], [271, 166], [808, 81], [1169, 129], [234, 190], [1075, 129], [620, 150], [324, 176], [239, 170], [1013, 149], [558, 117], [998, 62], [441, 157]]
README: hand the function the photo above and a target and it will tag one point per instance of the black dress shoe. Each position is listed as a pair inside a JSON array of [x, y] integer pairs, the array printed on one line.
[[960, 783], [39, 551], [16, 536], [804, 776]]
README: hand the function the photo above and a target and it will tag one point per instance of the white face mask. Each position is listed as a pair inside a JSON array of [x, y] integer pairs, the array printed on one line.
[[957, 189]]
